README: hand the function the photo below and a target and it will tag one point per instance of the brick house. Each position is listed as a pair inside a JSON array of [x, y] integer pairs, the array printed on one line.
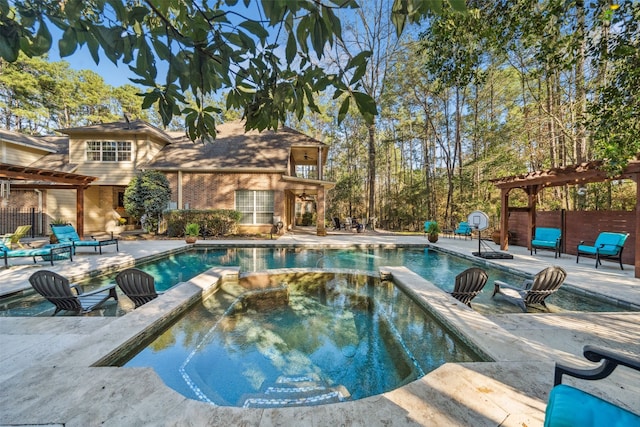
[[268, 176]]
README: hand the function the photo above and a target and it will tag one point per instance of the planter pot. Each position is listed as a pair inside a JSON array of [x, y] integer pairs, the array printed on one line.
[[190, 239], [432, 238]]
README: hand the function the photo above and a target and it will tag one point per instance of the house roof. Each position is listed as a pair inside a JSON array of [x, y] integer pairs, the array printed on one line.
[[121, 128], [58, 160], [37, 142], [235, 149]]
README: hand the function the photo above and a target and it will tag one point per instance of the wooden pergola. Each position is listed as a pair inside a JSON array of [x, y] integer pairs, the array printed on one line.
[[533, 182], [41, 179]]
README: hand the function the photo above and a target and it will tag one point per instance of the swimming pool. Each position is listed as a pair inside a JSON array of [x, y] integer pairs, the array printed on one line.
[[438, 267], [321, 338]]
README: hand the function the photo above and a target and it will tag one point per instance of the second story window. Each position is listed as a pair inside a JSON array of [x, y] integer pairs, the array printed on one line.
[[109, 151]]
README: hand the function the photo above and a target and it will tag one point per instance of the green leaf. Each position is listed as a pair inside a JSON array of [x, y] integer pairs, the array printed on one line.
[[344, 109], [68, 43], [256, 29], [42, 41], [366, 105], [291, 49]]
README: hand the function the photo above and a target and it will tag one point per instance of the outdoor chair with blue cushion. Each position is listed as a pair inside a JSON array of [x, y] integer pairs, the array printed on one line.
[[535, 291], [47, 253], [463, 230], [607, 245], [11, 239], [66, 297], [67, 233], [137, 285], [571, 407], [546, 238]]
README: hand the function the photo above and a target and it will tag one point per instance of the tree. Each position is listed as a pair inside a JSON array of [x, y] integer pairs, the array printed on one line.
[[146, 197], [206, 47]]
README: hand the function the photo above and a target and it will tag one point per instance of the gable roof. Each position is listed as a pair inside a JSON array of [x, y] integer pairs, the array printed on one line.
[[120, 128], [25, 140], [234, 149]]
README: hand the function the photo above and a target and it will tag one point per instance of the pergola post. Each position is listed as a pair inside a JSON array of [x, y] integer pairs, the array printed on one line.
[[637, 259], [320, 214], [80, 210], [504, 219], [532, 198]]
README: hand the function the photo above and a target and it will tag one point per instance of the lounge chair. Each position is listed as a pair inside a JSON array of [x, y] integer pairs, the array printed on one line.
[[546, 238], [534, 291], [57, 290], [607, 245], [569, 406], [468, 285], [11, 239], [46, 253], [463, 230], [137, 285], [66, 233]]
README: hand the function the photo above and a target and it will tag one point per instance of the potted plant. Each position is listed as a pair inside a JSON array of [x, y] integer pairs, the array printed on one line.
[[432, 231], [191, 232]]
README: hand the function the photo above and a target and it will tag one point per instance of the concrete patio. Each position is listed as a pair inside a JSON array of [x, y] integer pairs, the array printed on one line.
[[47, 375]]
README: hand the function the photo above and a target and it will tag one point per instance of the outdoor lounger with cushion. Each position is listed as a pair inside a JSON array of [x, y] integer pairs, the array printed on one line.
[[66, 233], [47, 253], [607, 245], [546, 238], [569, 406]]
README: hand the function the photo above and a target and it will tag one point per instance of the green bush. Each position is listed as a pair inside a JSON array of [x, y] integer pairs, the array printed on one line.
[[212, 222], [307, 218]]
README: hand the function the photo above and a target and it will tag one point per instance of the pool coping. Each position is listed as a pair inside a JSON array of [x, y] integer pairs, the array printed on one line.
[[510, 391], [105, 345]]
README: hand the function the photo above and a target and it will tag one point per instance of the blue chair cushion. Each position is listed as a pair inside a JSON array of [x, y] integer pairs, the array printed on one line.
[[606, 244], [544, 243], [570, 407]]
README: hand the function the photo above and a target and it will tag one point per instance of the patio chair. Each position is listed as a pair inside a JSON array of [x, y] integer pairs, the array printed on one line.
[[46, 253], [468, 285], [546, 238], [336, 223], [11, 239], [67, 233], [66, 297], [535, 291], [607, 245], [463, 230], [569, 406], [137, 285]]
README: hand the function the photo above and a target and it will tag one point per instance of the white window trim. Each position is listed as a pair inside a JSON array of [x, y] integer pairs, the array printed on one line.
[[102, 141]]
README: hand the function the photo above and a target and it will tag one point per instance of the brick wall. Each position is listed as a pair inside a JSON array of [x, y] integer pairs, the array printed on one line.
[[579, 225]]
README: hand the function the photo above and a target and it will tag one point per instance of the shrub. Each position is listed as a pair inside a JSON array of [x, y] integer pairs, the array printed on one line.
[[212, 222], [146, 197]]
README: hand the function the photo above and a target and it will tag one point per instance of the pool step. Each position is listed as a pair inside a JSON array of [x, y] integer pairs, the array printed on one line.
[[303, 390]]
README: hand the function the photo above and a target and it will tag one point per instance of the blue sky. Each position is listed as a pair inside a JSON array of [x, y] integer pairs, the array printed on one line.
[[81, 60]]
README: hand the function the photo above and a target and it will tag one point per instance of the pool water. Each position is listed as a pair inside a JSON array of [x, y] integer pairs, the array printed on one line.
[[340, 337], [437, 267]]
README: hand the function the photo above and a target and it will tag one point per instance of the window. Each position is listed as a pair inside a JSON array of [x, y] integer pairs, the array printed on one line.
[[109, 151], [256, 207]]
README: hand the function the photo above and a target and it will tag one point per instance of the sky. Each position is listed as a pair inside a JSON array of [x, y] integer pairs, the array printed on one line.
[[81, 60]]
